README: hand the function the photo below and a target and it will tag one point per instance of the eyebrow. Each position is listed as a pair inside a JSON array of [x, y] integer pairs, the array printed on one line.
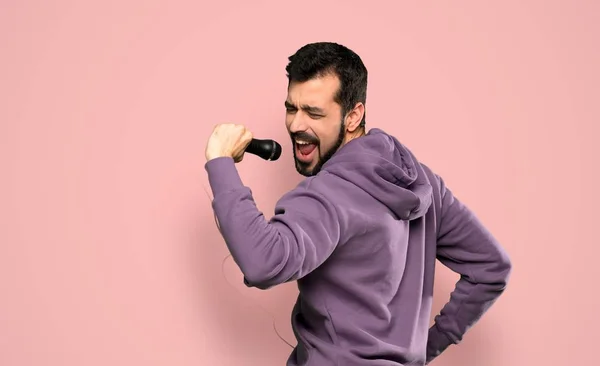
[[305, 107]]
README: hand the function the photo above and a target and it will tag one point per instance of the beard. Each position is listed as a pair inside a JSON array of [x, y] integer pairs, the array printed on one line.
[[304, 168]]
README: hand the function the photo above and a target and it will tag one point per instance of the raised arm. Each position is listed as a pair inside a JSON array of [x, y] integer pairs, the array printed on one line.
[[300, 236]]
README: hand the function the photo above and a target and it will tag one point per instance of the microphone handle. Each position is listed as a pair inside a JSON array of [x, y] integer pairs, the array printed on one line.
[[266, 149]]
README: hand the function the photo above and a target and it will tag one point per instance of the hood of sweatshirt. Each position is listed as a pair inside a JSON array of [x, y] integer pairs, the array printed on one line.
[[384, 168]]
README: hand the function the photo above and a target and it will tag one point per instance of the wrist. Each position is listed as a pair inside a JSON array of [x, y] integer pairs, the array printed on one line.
[[211, 156]]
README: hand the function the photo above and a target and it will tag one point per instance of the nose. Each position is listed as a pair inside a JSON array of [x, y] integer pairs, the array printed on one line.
[[297, 122]]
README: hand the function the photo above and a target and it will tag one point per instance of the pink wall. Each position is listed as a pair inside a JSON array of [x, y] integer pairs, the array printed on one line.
[[108, 250]]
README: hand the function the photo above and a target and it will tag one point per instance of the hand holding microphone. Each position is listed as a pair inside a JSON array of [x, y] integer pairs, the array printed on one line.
[[233, 141]]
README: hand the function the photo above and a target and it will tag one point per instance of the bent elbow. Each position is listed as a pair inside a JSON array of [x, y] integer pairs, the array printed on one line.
[[258, 281], [264, 277], [503, 269], [279, 266]]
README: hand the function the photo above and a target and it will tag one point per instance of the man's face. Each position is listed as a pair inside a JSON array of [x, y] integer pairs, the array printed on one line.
[[315, 122]]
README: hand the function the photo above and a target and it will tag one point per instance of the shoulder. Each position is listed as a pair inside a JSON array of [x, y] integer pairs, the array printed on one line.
[[436, 182], [324, 191], [434, 179], [325, 183]]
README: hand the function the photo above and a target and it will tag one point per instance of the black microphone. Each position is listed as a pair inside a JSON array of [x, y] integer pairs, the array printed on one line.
[[266, 149]]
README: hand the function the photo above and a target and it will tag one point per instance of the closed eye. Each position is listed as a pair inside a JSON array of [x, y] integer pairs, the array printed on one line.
[[313, 112], [290, 108]]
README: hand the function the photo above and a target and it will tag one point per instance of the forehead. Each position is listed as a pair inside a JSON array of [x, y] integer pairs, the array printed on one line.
[[319, 91]]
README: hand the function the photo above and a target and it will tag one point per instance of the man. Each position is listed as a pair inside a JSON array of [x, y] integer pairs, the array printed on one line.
[[360, 234]]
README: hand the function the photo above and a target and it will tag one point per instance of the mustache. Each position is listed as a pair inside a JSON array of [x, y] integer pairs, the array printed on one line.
[[305, 137]]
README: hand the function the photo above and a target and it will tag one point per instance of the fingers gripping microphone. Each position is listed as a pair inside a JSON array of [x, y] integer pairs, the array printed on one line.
[[266, 149]]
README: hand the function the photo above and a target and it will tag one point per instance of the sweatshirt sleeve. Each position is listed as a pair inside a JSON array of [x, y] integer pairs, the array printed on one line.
[[467, 248], [301, 235]]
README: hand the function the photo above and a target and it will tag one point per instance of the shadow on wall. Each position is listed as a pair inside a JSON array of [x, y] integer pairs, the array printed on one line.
[[477, 346]]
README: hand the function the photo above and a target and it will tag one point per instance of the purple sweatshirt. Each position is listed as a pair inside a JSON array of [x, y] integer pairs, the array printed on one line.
[[361, 239]]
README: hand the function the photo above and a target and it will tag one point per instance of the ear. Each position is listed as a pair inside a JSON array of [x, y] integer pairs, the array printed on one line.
[[354, 117]]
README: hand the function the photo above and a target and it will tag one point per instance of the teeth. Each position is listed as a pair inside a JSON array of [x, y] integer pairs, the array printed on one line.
[[302, 142]]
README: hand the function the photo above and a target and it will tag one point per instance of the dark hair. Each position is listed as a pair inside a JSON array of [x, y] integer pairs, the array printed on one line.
[[319, 59]]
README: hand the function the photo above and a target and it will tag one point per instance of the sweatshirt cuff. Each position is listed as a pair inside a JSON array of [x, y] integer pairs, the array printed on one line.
[[437, 342], [222, 175]]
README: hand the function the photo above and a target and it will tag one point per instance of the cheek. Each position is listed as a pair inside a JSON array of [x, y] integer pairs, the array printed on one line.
[[288, 121], [328, 136]]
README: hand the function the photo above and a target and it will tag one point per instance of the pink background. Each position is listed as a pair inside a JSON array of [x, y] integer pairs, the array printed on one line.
[[108, 251]]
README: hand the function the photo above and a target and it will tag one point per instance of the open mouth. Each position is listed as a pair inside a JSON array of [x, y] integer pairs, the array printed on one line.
[[305, 150]]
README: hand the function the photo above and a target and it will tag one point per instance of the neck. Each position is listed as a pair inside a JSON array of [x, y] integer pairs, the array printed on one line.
[[354, 135]]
